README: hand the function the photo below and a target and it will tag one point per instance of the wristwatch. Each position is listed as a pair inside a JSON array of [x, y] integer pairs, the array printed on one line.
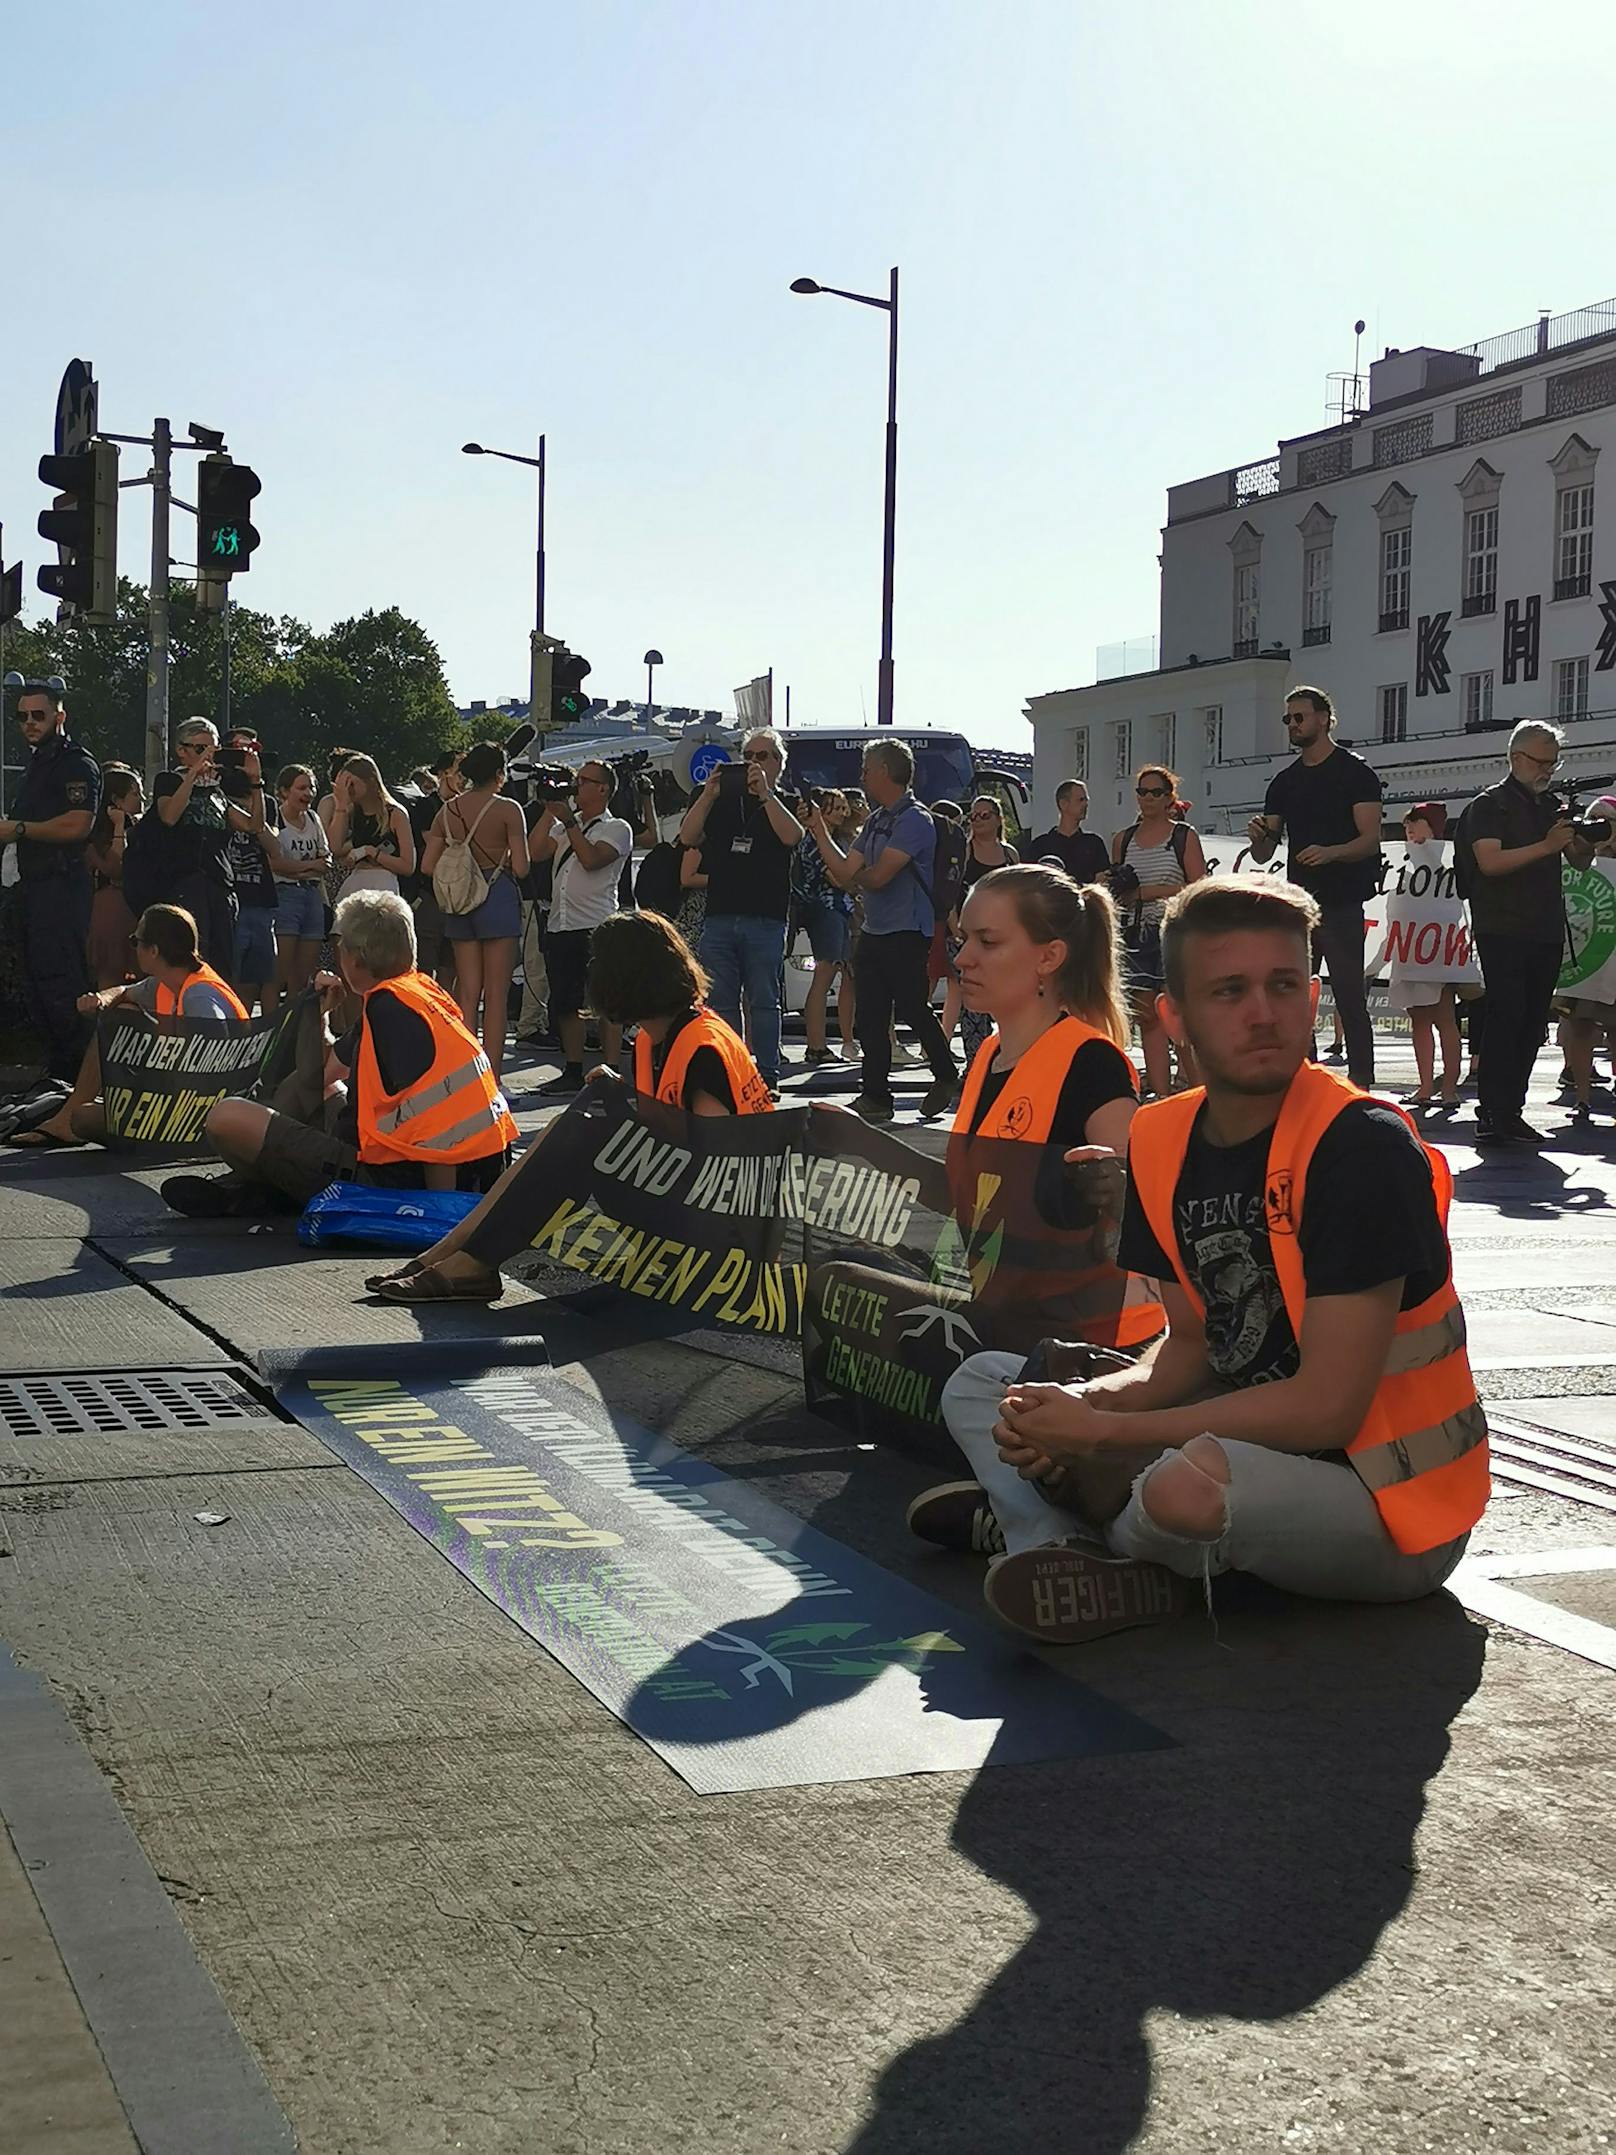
[[20, 830]]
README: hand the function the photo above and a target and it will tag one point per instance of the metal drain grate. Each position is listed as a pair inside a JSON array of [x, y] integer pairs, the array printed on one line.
[[106, 1405]]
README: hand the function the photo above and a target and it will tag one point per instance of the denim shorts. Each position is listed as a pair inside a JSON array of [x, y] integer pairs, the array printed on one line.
[[827, 927], [500, 914], [255, 943], [300, 911]]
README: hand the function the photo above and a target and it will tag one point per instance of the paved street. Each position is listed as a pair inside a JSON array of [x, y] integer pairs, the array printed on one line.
[[310, 1845]]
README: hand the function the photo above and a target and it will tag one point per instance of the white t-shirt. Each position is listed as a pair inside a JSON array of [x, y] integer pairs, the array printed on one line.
[[583, 897], [305, 841]]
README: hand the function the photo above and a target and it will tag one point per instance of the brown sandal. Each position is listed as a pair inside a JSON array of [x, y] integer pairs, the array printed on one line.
[[378, 1280], [431, 1286]]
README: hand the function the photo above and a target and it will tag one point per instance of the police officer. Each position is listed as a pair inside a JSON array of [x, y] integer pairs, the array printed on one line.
[[56, 805]]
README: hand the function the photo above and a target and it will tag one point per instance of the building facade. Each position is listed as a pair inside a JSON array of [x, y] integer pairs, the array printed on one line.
[[1443, 563]]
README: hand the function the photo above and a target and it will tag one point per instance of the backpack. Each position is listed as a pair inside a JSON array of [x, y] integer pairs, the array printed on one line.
[[657, 888], [458, 882], [150, 862], [948, 856]]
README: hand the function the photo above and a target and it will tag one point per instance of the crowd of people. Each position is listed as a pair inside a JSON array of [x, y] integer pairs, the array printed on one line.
[[1281, 1385]]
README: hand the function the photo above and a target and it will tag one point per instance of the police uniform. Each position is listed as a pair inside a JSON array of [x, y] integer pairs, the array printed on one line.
[[54, 894]]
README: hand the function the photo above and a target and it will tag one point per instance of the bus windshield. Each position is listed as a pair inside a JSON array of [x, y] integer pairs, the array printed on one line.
[[943, 761]]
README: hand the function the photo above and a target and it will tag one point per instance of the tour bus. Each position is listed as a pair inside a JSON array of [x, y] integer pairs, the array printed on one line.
[[946, 766]]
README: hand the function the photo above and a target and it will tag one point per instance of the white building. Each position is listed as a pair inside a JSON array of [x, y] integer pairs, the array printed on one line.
[[1443, 563]]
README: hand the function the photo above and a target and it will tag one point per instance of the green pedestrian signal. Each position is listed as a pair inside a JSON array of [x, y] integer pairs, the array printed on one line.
[[567, 698], [224, 537]]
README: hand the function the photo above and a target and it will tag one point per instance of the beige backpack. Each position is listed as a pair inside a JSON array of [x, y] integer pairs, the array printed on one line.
[[458, 882]]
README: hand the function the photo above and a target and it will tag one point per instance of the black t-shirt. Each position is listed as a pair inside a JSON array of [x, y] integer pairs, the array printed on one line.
[[705, 1074], [755, 880], [1099, 1073], [403, 1042], [199, 844], [975, 870], [1315, 802], [1370, 1217], [1083, 855], [249, 865]]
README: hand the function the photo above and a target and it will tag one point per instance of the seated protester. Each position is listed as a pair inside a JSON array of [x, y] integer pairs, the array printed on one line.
[[641, 972], [1310, 1416], [1040, 956], [174, 983], [411, 1102]]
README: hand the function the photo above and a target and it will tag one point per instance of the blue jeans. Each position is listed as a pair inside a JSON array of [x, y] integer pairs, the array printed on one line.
[[745, 955]]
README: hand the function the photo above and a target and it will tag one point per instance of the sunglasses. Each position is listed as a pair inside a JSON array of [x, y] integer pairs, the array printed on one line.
[[758, 755], [1298, 718], [1150, 793]]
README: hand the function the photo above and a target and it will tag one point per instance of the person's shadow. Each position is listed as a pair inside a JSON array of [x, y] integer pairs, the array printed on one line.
[[1243, 1875]]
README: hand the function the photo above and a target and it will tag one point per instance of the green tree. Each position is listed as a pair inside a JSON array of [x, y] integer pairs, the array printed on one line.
[[375, 682]]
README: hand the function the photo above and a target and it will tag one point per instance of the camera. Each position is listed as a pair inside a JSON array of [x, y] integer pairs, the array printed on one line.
[[1588, 823], [551, 782]]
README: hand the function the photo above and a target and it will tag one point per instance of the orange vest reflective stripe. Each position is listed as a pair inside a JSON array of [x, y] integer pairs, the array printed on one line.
[[1025, 1109], [1422, 1449], [170, 1002], [455, 1112], [706, 1029]]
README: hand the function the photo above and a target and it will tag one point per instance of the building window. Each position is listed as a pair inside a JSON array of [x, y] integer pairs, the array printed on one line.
[[1394, 711], [1164, 737], [1396, 561], [1316, 574], [1212, 728], [1476, 699], [1570, 687], [1122, 748], [1078, 767], [1574, 541], [1245, 609], [1481, 561]]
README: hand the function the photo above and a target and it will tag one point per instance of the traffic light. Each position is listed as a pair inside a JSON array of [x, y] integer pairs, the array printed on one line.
[[10, 593], [224, 536], [568, 703], [83, 523]]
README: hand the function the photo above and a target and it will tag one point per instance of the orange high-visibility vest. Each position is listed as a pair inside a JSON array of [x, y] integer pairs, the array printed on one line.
[[1422, 1450], [706, 1029], [1025, 1109], [455, 1112], [170, 1002]]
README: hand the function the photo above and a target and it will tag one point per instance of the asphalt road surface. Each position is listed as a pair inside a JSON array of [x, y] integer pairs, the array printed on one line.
[[309, 1845]]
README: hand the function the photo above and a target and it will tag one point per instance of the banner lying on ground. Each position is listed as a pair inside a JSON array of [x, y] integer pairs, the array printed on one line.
[[745, 1647], [159, 1076], [890, 1264]]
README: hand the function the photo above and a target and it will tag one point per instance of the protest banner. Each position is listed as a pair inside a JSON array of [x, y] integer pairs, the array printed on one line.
[[889, 1265], [159, 1076], [1589, 971]]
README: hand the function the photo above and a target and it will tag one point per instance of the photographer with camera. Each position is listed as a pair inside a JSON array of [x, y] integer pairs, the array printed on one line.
[[214, 792], [587, 847], [748, 839], [1507, 854]]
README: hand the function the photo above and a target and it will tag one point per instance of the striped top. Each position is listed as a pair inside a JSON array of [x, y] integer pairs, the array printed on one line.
[[1155, 864]]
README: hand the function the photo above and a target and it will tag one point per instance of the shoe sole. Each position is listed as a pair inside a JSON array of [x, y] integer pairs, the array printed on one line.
[[1067, 1596]]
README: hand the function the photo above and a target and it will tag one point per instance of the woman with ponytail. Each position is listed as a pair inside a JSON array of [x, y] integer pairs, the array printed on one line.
[[1040, 957]]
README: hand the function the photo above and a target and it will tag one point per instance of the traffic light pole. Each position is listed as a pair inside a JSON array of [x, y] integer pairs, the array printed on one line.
[[157, 751]]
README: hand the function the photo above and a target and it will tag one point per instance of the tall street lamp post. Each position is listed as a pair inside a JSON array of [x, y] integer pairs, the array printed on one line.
[[538, 641], [653, 659], [883, 687]]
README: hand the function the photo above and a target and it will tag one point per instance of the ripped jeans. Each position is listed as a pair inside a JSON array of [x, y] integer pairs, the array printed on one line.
[[1307, 1525]]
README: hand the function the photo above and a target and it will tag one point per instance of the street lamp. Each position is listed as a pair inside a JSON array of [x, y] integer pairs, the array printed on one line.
[[534, 463], [651, 661], [808, 287]]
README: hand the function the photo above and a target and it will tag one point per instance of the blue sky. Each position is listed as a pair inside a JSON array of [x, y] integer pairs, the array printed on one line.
[[1133, 241]]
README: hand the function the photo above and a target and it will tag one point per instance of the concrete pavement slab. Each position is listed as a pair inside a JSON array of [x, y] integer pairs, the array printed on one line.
[[64, 1307], [1591, 1418]]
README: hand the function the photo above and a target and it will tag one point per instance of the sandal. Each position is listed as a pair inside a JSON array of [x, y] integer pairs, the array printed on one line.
[[431, 1286], [378, 1280]]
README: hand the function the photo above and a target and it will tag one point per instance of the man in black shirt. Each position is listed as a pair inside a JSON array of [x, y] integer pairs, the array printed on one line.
[[1081, 853], [50, 821], [192, 806], [1328, 805], [748, 840], [1251, 1437], [1508, 849]]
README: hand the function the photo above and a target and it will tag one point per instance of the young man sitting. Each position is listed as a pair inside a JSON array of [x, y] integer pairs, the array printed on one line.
[[405, 1099], [1309, 1415], [174, 983]]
